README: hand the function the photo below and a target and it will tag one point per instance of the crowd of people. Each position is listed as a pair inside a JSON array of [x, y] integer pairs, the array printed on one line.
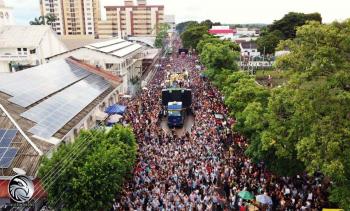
[[205, 168]]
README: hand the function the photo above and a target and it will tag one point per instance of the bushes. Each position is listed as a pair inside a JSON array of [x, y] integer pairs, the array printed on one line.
[[92, 169]]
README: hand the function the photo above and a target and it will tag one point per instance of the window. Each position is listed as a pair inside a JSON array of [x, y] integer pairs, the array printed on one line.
[[109, 66], [33, 51]]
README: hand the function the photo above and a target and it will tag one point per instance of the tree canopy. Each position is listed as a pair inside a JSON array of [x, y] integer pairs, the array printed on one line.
[[92, 169], [44, 20], [304, 125], [283, 29], [193, 34], [161, 35]]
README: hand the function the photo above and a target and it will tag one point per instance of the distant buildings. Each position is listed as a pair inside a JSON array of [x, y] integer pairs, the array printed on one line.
[[78, 17], [131, 20], [170, 20], [249, 48], [6, 17], [27, 46], [224, 32]]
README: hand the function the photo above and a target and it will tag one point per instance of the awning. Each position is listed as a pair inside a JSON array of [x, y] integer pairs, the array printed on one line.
[[101, 116], [114, 118], [116, 109]]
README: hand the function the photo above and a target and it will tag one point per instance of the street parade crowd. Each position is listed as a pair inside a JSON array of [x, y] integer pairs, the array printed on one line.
[[206, 168]]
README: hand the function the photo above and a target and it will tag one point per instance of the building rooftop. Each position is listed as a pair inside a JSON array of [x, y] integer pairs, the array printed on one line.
[[116, 47], [14, 36], [249, 45], [46, 102], [148, 40]]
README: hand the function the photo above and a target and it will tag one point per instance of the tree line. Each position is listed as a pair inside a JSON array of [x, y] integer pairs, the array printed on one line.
[[304, 125]]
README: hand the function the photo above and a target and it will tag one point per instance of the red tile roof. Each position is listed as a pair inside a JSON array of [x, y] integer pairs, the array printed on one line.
[[222, 31]]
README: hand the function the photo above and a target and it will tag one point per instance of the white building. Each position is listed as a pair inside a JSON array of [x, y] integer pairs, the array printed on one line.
[[249, 49], [26, 46], [247, 32], [6, 17], [224, 32], [118, 56]]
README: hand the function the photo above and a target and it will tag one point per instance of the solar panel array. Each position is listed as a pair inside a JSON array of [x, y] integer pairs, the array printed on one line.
[[106, 43], [125, 51], [115, 47], [32, 85], [7, 153], [52, 114]]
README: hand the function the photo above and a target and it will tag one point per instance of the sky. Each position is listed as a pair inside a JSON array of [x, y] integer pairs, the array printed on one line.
[[224, 11]]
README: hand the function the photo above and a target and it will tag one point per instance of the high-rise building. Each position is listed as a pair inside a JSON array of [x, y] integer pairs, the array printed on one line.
[[6, 17], [74, 17], [131, 19], [170, 20]]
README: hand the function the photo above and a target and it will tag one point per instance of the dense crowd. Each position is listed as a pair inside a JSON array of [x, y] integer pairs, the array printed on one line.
[[206, 168]]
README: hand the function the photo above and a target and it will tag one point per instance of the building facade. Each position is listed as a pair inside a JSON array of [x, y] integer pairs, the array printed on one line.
[[170, 20], [74, 17], [6, 17], [22, 47], [131, 20], [119, 57]]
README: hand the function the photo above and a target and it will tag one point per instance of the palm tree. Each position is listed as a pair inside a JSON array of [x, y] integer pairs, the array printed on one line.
[[50, 18], [38, 21]]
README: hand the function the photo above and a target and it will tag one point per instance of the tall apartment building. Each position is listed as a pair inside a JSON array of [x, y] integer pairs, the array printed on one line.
[[74, 17], [131, 20]]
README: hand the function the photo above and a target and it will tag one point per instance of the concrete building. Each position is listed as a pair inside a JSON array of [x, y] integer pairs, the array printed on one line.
[[131, 20], [27, 46], [6, 17], [78, 17], [170, 20], [44, 107], [224, 32], [120, 57], [249, 49]]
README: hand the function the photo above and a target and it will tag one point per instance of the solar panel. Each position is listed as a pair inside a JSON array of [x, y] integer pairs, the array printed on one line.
[[34, 84], [125, 51], [7, 138], [7, 156], [106, 43], [2, 151], [115, 47], [53, 113]]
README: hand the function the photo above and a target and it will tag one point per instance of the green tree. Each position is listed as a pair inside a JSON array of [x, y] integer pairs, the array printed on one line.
[[181, 27], [38, 21], [269, 42], [289, 23], [50, 18], [92, 169], [192, 35], [215, 40], [161, 35], [219, 56]]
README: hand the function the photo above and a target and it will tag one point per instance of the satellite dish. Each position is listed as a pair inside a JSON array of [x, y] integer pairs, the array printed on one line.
[[19, 171]]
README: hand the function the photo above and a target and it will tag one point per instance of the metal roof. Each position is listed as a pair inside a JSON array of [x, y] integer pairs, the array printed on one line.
[[22, 36], [115, 47]]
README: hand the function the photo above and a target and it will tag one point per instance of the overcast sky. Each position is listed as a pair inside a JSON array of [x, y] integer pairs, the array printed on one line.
[[224, 11]]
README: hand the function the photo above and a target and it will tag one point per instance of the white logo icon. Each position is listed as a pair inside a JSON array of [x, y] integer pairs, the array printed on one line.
[[21, 189]]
